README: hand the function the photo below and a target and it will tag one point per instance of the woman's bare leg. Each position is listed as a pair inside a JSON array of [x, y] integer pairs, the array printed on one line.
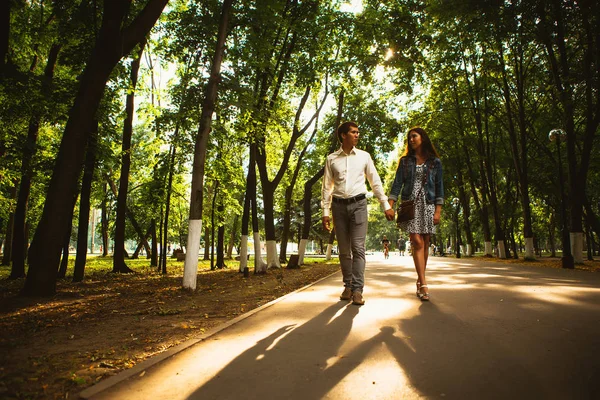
[[426, 243], [416, 242]]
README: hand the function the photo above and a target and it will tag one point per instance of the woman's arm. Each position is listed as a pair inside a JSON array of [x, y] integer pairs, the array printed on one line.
[[439, 183], [437, 215]]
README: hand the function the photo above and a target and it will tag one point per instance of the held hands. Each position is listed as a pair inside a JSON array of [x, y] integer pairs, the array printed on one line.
[[326, 225], [390, 214]]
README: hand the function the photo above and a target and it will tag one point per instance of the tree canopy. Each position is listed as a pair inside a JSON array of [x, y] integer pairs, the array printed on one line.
[[488, 80]]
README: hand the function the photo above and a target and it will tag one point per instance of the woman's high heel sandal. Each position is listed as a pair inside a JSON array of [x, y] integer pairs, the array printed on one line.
[[418, 289], [423, 296]]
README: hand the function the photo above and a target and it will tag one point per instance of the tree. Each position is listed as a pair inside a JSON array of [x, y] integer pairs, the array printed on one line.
[[119, 257], [116, 38], [196, 201], [84, 204], [568, 31]]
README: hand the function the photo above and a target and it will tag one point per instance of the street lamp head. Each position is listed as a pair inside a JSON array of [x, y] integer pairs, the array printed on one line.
[[557, 134]]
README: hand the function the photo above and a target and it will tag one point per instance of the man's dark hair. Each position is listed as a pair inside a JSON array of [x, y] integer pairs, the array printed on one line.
[[345, 128]]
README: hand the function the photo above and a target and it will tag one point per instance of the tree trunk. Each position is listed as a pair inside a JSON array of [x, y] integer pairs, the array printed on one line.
[[104, 222], [289, 191], [84, 205], [232, 237], [287, 217], [8, 239], [206, 256], [154, 256], [477, 185], [20, 241], [5, 7], [190, 268], [119, 256], [168, 200], [574, 84], [518, 145], [551, 233], [251, 208], [161, 247], [114, 40], [246, 212], [312, 181], [143, 244], [464, 201], [213, 223], [270, 186], [589, 243], [62, 270], [221, 239], [64, 262]]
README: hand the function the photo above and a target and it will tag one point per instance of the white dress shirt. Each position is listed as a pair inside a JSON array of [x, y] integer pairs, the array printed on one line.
[[345, 177]]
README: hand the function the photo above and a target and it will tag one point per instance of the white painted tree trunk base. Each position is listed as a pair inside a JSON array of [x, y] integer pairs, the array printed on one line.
[[462, 250], [469, 250], [487, 251], [259, 265], [272, 256], [501, 249], [244, 253], [577, 246], [328, 253], [301, 251], [190, 266], [529, 251]]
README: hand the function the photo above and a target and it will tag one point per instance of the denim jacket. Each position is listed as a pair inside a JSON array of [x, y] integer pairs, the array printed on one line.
[[405, 180]]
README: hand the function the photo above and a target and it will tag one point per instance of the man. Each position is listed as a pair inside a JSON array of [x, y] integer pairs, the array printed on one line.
[[386, 246], [401, 245], [344, 191]]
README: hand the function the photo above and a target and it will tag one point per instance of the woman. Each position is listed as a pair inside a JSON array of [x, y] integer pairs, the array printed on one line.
[[419, 177]]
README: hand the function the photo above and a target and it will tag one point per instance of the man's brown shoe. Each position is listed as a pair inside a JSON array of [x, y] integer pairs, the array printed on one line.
[[357, 298], [346, 294]]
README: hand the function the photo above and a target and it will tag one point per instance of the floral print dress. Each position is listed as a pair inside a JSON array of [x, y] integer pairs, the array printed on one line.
[[423, 221]]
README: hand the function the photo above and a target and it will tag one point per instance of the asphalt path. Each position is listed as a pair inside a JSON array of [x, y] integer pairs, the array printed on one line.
[[491, 331]]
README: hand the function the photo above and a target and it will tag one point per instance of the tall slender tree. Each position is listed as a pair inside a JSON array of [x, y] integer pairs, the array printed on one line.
[[204, 128]]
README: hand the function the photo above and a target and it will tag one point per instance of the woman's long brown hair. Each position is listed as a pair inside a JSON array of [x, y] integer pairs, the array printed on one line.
[[428, 148]]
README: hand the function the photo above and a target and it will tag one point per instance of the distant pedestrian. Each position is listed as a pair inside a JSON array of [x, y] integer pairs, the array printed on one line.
[[401, 245], [344, 191], [419, 177], [386, 247]]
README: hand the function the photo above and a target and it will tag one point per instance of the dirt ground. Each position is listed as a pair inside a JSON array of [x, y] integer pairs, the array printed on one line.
[[55, 347]]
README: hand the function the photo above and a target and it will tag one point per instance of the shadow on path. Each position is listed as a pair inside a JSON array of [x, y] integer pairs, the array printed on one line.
[[269, 369]]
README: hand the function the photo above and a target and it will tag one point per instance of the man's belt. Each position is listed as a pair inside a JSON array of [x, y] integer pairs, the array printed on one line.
[[350, 199]]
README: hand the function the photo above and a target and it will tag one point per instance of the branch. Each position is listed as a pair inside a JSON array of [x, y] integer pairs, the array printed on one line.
[[142, 24]]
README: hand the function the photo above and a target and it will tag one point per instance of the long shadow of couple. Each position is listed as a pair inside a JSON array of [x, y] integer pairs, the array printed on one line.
[[287, 363], [304, 361]]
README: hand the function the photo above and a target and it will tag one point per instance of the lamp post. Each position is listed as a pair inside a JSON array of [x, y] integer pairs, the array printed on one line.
[[456, 203], [558, 135]]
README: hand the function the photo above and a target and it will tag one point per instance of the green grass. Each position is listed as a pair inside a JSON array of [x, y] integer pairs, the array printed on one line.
[[97, 266]]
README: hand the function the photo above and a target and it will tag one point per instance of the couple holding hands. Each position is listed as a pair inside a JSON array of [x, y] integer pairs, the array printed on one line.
[[418, 177]]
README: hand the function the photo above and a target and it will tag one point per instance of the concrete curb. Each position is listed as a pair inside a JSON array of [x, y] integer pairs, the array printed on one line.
[[148, 363]]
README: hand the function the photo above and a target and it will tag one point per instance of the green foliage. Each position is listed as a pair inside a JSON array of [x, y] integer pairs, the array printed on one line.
[[453, 67]]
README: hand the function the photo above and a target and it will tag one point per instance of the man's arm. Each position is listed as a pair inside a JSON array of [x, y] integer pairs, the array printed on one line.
[[375, 181], [326, 192]]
